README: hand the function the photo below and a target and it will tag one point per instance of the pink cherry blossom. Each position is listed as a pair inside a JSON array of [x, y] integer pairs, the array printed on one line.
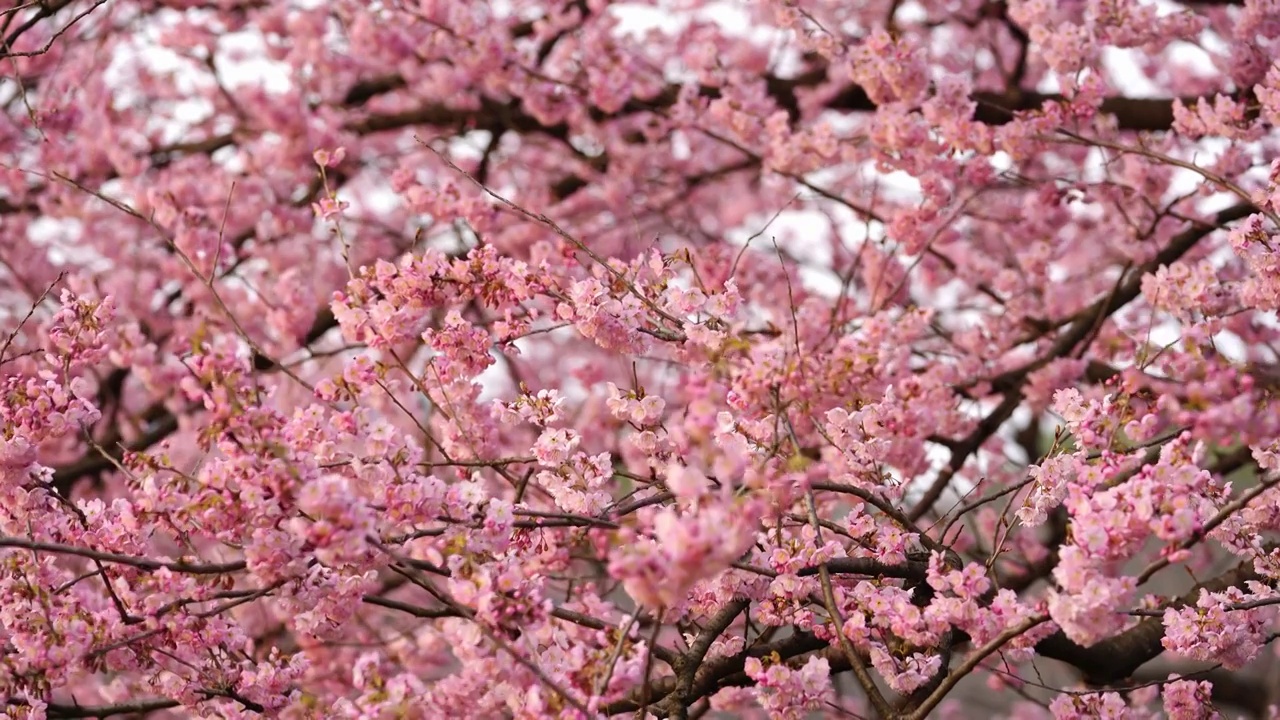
[[575, 359]]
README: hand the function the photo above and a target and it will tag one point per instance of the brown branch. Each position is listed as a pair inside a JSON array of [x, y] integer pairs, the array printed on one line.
[[1139, 114], [95, 461], [141, 563], [1229, 688], [47, 10], [871, 568], [1117, 658], [722, 672], [1083, 327], [324, 322], [55, 711], [687, 665], [964, 449], [1081, 324]]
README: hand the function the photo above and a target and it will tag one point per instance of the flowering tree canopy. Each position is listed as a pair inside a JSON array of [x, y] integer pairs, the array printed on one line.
[[578, 359]]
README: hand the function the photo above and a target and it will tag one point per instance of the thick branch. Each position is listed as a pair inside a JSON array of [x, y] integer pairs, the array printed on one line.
[[993, 108], [722, 672], [95, 461], [1083, 322], [1117, 658], [910, 570], [1229, 688], [142, 563], [61, 710]]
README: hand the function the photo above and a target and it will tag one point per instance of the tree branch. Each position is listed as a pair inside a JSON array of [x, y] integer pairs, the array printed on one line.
[[1117, 658]]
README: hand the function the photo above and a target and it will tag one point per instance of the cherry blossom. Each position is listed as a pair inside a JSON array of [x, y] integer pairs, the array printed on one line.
[[577, 359]]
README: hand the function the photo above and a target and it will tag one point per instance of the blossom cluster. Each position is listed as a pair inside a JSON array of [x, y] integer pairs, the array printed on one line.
[[585, 360]]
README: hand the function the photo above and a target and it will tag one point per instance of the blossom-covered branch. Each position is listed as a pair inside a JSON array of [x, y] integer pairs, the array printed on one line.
[[575, 359]]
